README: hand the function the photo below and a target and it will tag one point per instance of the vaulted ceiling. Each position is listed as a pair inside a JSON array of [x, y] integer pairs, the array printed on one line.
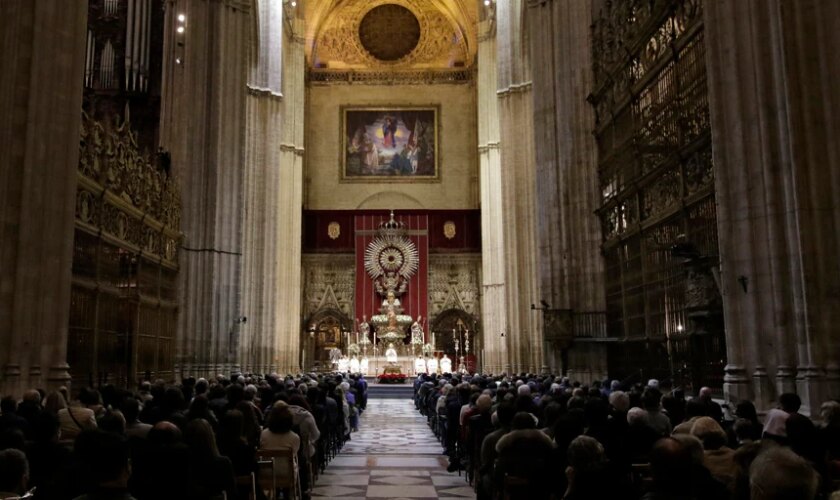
[[398, 34]]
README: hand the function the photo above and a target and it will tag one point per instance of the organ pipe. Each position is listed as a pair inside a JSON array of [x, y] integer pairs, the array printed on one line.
[[129, 30]]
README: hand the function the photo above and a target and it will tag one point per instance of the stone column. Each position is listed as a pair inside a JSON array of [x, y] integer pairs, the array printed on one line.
[[493, 314], [570, 265], [774, 113], [518, 187], [42, 57], [289, 205], [202, 125], [262, 192]]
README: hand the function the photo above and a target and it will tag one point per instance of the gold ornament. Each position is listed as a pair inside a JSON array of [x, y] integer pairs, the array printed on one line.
[[334, 230], [449, 229]]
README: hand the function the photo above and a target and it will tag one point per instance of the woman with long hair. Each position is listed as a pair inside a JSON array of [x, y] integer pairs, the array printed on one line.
[[210, 474]]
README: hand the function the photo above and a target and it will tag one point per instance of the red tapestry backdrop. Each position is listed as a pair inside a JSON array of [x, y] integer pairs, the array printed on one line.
[[425, 229], [414, 301]]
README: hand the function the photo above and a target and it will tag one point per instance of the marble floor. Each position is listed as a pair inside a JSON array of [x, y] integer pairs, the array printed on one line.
[[393, 455]]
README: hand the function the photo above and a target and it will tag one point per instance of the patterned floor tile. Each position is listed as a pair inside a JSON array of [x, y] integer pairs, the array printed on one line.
[[393, 455]]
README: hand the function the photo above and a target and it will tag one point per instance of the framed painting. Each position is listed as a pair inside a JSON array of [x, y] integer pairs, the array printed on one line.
[[389, 144]]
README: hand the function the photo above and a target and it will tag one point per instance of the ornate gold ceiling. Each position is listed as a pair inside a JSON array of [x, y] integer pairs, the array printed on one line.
[[399, 34]]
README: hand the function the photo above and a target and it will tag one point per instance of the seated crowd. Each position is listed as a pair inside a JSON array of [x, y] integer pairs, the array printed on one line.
[[194, 440], [535, 437]]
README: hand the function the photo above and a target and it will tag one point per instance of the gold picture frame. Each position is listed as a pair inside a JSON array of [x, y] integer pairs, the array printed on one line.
[[389, 144]]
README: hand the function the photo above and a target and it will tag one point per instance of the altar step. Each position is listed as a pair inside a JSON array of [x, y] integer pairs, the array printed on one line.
[[390, 391]]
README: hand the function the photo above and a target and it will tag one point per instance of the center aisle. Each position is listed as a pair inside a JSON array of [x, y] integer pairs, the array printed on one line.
[[393, 455]]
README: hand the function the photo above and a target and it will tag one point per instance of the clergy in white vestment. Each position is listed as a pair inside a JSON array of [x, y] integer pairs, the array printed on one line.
[[445, 364], [354, 365], [343, 364], [364, 366], [419, 366], [432, 365]]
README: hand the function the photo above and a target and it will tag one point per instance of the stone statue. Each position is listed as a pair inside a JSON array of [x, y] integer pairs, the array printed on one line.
[[391, 354], [417, 332]]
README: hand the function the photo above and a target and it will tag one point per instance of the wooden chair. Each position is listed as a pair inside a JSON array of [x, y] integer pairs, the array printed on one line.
[[249, 482], [278, 469]]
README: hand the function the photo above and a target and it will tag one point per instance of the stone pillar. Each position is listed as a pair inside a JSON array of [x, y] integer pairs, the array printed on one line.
[[261, 238], [203, 125], [518, 187], [774, 113], [570, 266], [288, 210], [495, 333], [42, 57]]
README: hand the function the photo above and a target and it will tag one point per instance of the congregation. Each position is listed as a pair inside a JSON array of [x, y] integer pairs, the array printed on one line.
[[200, 439], [540, 437]]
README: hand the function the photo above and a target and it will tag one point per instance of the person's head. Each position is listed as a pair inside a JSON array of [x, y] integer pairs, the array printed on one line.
[[164, 433], [620, 400], [232, 426], [200, 438], [54, 402], [14, 471], [12, 437], [130, 409], [89, 396], [484, 403], [32, 396], [830, 413], [709, 433], [8, 405], [704, 394], [790, 402], [45, 427], [586, 454], [505, 413], [670, 465], [693, 445], [112, 421], [299, 400], [779, 473], [744, 429], [108, 457], [635, 416], [596, 411], [173, 399], [522, 421], [746, 409], [280, 419], [651, 398]]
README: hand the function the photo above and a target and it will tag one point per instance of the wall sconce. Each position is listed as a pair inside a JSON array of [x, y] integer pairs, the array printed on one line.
[[311, 331]]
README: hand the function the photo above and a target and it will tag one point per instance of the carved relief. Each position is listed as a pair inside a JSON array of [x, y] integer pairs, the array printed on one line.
[[123, 192], [454, 283], [328, 283]]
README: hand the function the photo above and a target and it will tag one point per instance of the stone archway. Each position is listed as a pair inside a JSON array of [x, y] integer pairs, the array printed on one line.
[[460, 321], [324, 331]]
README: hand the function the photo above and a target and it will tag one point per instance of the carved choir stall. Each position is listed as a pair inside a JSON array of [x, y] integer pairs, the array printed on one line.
[[123, 300]]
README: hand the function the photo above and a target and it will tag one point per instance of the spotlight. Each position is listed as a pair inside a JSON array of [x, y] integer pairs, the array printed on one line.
[[180, 29], [181, 18], [177, 60], [294, 4], [487, 3]]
